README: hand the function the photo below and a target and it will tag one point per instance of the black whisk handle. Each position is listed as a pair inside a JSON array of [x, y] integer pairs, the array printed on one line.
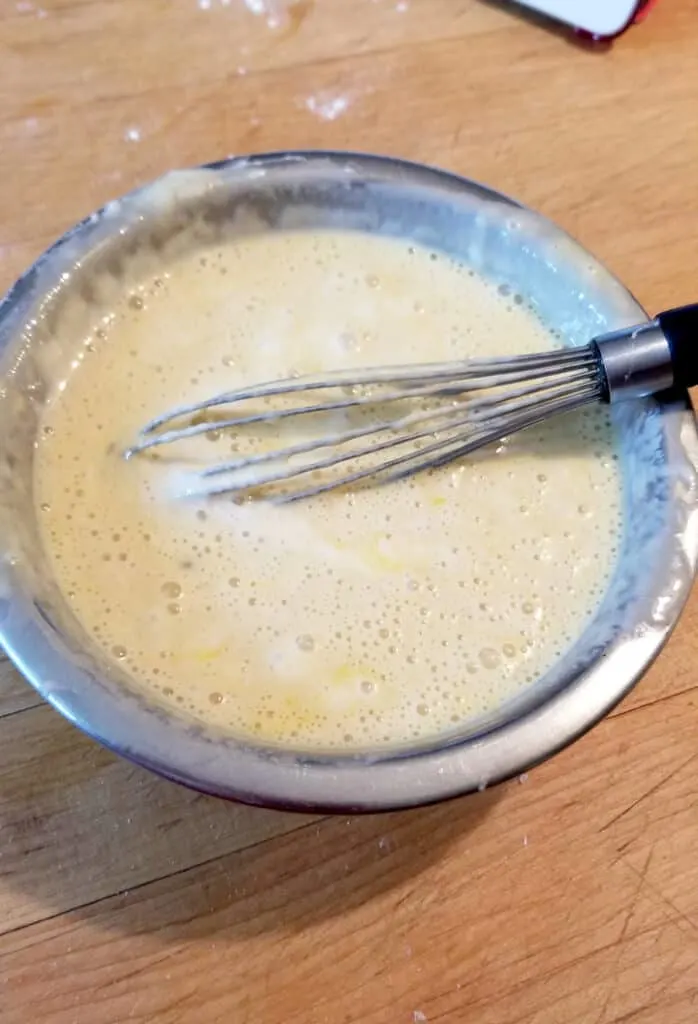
[[680, 328]]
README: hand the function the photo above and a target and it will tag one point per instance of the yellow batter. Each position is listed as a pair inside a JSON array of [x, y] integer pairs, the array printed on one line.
[[350, 621]]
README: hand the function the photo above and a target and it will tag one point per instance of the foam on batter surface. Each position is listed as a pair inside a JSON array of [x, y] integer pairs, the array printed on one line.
[[352, 621]]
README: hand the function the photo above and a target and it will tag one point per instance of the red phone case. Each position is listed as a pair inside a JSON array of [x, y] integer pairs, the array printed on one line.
[[642, 9]]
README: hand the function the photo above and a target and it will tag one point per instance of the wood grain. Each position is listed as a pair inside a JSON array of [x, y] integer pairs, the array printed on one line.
[[15, 693], [470, 910], [569, 897]]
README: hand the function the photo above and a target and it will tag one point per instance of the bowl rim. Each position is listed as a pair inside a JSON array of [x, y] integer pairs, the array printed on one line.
[[345, 783]]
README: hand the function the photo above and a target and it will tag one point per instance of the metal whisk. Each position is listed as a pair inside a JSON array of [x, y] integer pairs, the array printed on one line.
[[364, 427]]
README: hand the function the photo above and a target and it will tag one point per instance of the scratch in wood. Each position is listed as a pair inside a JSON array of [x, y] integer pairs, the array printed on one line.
[[668, 979], [641, 1011], [640, 706], [18, 711], [653, 789], [609, 995], [613, 984], [621, 850], [633, 906], [680, 915], [145, 966]]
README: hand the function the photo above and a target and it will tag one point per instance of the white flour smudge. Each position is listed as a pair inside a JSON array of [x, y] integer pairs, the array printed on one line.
[[274, 12], [328, 105], [26, 7]]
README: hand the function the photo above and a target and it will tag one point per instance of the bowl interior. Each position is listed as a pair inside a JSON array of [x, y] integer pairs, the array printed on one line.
[[573, 295]]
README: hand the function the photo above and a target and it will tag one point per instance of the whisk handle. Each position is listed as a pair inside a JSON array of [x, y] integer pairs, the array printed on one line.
[[680, 328], [650, 357]]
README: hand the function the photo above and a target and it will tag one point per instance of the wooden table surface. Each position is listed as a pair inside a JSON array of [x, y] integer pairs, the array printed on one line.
[[568, 897]]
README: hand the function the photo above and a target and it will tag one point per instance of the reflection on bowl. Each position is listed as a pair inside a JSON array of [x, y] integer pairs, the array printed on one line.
[[572, 294]]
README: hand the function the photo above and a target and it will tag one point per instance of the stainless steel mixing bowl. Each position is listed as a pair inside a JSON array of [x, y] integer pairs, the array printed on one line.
[[573, 294]]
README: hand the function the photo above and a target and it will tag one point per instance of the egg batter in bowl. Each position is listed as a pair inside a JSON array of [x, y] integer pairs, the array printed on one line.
[[352, 621], [364, 650]]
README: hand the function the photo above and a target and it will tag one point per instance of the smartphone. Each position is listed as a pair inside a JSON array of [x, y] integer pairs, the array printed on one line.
[[601, 19]]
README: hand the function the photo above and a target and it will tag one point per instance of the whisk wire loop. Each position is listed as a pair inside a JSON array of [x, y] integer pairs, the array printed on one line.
[[385, 422]]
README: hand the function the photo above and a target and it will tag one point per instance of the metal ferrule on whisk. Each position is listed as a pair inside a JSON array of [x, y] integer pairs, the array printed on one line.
[[636, 361]]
